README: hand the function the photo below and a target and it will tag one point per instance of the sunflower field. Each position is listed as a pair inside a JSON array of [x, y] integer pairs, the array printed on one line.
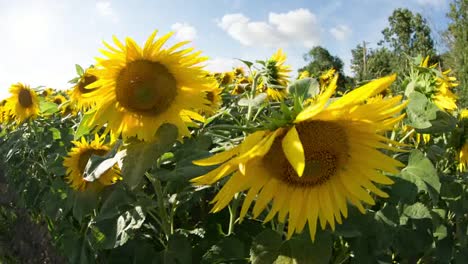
[[149, 158]]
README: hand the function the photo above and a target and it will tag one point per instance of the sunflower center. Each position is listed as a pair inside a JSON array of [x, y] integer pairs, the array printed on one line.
[[84, 157], [87, 80], [146, 87], [25, 98], [325, 148], [210, 96]]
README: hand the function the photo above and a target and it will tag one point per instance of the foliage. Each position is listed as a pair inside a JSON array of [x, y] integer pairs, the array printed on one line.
[[156, 215], [457, 40]]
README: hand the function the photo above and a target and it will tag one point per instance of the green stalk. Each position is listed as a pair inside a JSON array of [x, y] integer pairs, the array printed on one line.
[[233, 214]]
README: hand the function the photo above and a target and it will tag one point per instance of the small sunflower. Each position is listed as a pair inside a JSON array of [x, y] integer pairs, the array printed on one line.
[[311, 169], [79, 94], [59, 99], [141, 88], [303, 75], [23, 103], [78, 157], [463, 158], [3, 112], [326, 77], [242, 84], [214, 97], [227, 78], [239, 72], [47, 92]]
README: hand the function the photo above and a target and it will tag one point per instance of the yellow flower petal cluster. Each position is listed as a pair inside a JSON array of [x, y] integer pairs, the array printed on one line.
[[311, 170], [141, 88], [22, 104], [78, 157]]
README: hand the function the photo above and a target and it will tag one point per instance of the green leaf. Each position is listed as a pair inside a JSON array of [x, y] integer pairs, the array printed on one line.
[[440, 232], [79, 70], [388, 214], [422, 173], [265, 247], [248, 63], [85, 202], [84, 127], [117, 231], [304, 88], [98, 165], [47, 108], [417, 211], [178, 251], [227, 250], [301, 249], [255, 102], [139, 157], [426, 117], [55, 133]]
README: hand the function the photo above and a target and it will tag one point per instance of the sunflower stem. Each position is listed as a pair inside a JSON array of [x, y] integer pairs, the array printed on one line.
[[233, 214], [165, 221], [251, 96], [407, 135]]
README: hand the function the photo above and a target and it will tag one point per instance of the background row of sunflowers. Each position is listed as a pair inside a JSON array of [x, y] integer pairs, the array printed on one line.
[[123, 166]]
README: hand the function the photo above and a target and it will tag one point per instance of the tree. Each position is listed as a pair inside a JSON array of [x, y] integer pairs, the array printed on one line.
[[320, 60], [408, 34], [457, 39], [368, 64]]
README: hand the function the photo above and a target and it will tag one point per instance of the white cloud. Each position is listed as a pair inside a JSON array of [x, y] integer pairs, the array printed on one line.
[[184, 31], [341, 32], [436, 3], [294, 27], [221, 64], [105, 9]]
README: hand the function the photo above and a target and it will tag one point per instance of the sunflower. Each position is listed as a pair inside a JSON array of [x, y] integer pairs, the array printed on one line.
[[239, 72], [464, 114], [227, 78], [78, 95], [3, 112], [242, 84], [214, 97], [303, 75], [444, 98], [59, 99], [23, 103], [463, 158], [142, 88], [326, 77], [311, 169], [276, 74], [47, 92], [77, 159]]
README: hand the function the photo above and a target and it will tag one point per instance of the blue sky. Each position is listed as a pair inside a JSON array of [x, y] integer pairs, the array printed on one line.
[[41, 40]]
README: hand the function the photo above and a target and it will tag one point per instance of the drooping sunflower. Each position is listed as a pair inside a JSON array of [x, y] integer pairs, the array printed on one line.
[[78, 95], [444, 98], [276, 74], [142, 88], [310, 170], [78, 157], [23, 103]]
